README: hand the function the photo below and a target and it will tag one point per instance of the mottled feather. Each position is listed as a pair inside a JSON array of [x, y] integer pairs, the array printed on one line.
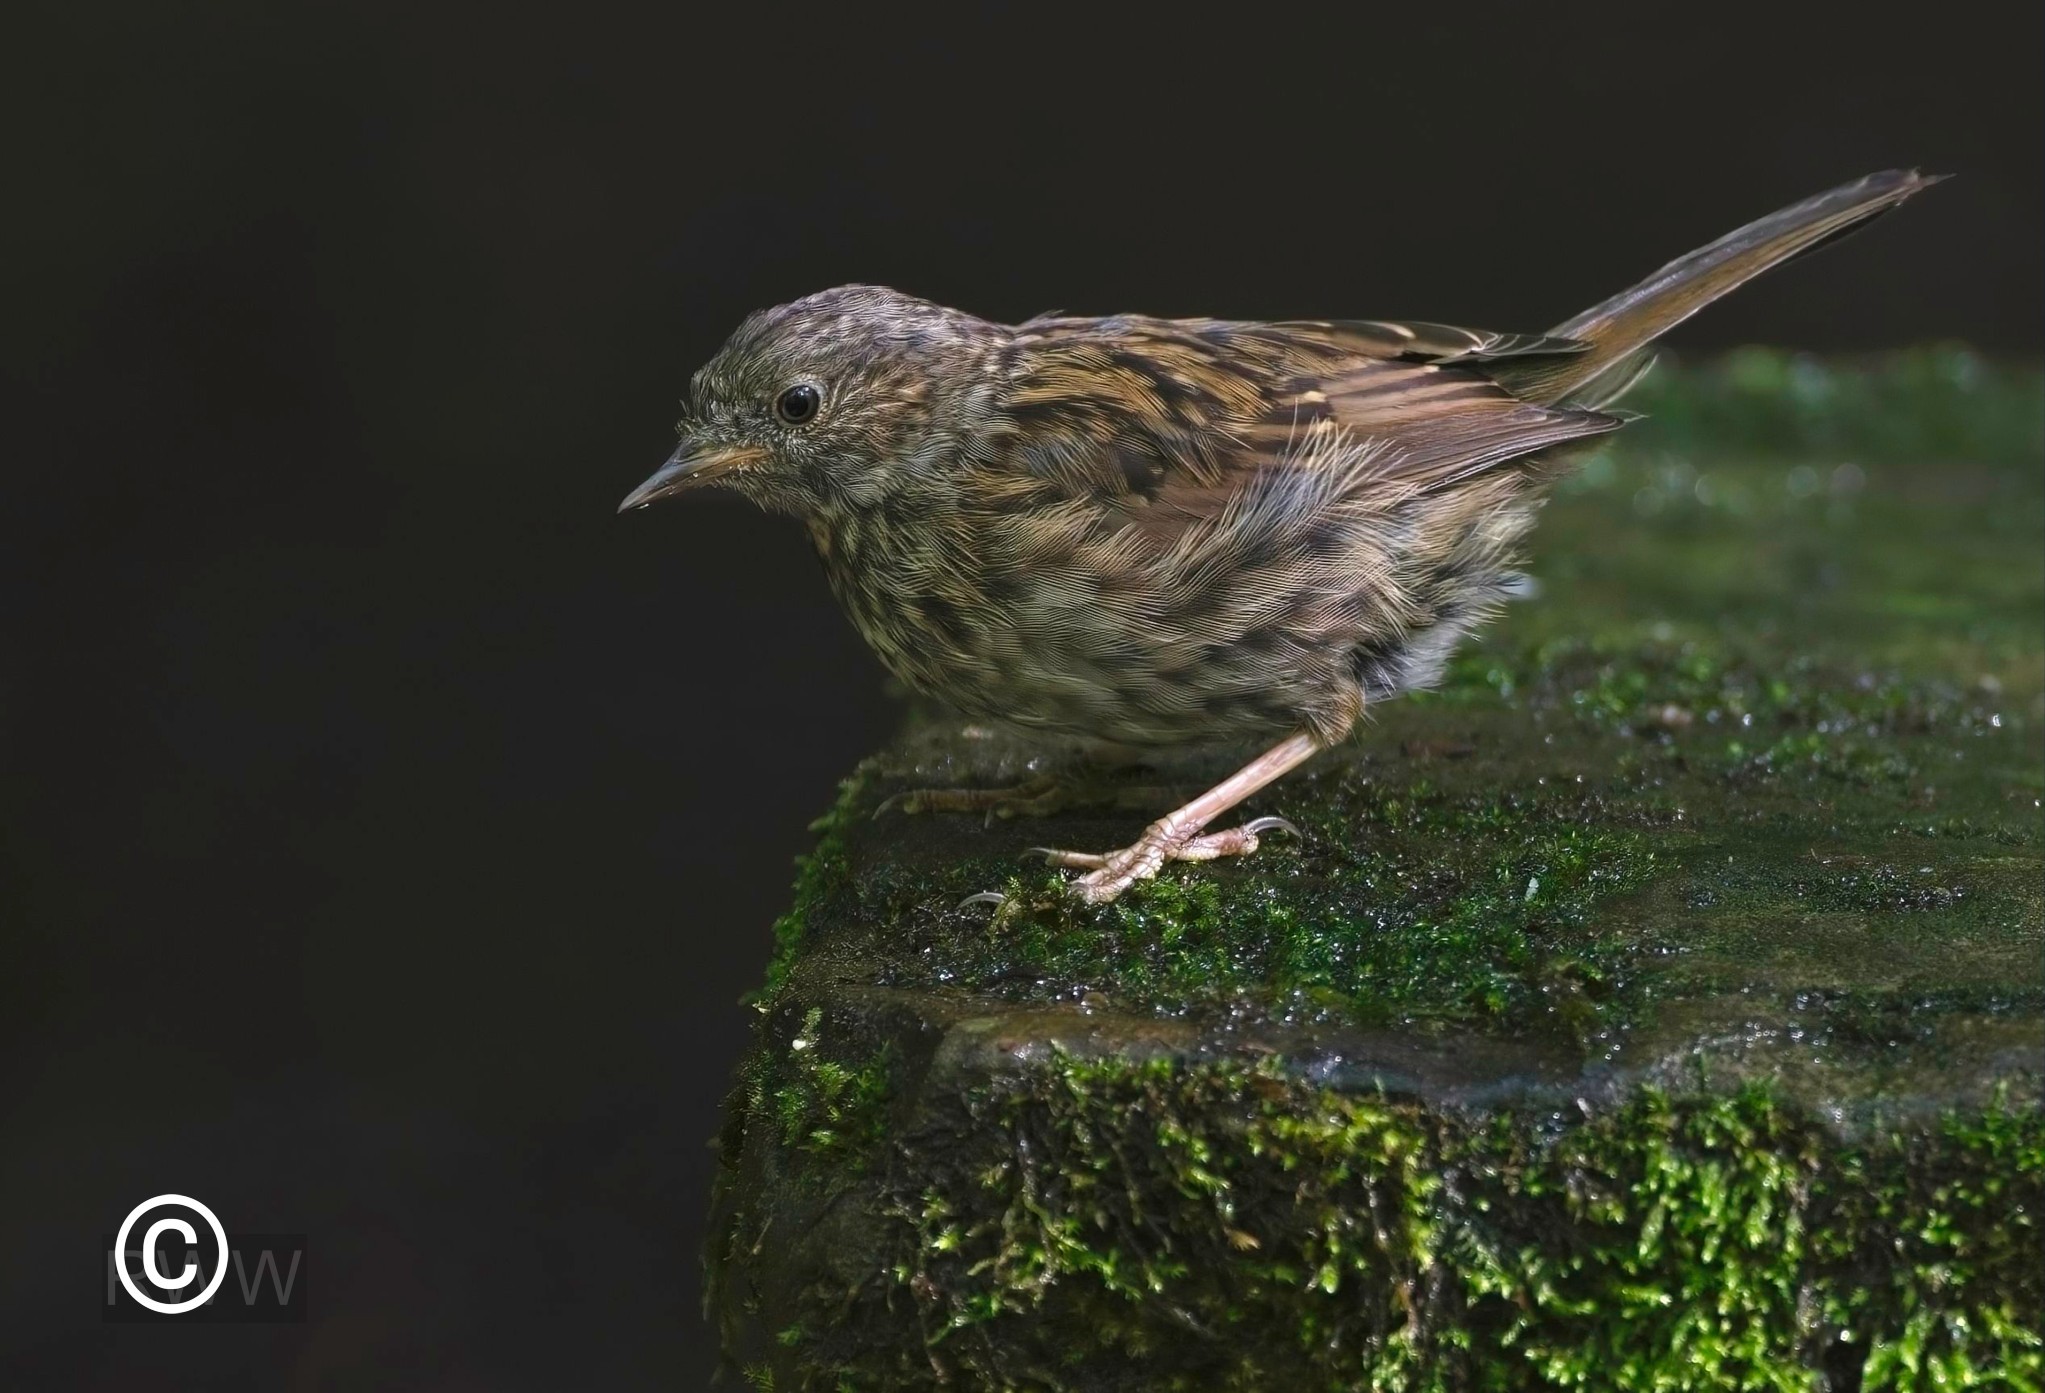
[[1183, 531]]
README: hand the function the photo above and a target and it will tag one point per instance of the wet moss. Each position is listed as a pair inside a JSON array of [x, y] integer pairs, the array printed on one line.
[[1659, 1003], [1222, 1225], [819, 874], [1402, 925], [1939, 403], [1582, 785], [826, 1109]]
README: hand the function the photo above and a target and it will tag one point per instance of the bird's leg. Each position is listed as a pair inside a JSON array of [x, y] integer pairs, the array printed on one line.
[[1181, 835]]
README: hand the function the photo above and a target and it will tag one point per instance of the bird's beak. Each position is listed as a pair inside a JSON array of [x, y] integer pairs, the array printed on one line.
[[693, 462]]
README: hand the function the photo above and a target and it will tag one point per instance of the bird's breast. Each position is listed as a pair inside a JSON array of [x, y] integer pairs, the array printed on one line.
[[914, 608], [1056, 623]]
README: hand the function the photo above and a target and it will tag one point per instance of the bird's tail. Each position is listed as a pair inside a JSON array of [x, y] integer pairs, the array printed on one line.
[[1618, 330]]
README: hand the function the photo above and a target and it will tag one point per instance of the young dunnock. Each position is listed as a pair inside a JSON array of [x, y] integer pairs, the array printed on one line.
[[1173, 532]]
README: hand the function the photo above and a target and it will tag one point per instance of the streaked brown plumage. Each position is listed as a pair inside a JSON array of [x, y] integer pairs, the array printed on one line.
[[1158, 532]]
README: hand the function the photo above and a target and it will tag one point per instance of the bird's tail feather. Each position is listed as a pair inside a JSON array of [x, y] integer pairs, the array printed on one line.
[[1618, 329], [1602, 388]]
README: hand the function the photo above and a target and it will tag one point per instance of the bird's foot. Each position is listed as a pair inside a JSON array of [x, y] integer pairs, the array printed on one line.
[[1038, 797], [1166, 840]]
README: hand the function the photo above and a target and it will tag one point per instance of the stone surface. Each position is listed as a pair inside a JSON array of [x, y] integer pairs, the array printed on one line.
[[1656, 1005]]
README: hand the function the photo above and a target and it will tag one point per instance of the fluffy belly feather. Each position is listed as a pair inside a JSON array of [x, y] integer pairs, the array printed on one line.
[[1284, 617]]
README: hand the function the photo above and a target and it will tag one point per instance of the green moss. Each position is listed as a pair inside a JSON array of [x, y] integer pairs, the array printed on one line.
[[1223, 1226], [1938, 403], [825, 1108], [1882, 513], [1528, 876], [1696, 679], [821, 1105], [1442, 907], [819, 874]]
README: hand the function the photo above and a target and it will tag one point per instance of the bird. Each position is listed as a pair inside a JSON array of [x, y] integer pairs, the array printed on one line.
[[1155, 533]]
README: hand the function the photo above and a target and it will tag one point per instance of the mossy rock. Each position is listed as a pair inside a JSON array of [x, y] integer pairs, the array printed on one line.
[[1656, 1006]]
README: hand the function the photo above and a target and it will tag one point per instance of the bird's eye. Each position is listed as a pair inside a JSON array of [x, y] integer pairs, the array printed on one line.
[[798, 404]]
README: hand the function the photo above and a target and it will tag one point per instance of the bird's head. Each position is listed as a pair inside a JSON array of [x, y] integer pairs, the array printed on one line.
[[826, 403]]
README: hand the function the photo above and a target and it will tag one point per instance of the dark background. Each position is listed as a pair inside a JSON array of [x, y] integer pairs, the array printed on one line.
[[390, 830]]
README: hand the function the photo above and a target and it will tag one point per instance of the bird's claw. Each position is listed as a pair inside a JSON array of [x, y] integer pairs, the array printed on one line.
[[1270, 824], [1107, 876], [909, 801]]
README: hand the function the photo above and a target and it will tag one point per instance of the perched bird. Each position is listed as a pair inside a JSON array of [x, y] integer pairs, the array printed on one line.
[[1180, 532]]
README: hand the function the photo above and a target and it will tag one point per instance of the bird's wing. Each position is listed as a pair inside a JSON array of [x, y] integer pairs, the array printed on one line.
[[1420, 342], [1134, 411]]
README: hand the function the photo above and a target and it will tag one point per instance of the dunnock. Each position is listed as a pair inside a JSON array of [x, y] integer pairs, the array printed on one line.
[[1173, 532]]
